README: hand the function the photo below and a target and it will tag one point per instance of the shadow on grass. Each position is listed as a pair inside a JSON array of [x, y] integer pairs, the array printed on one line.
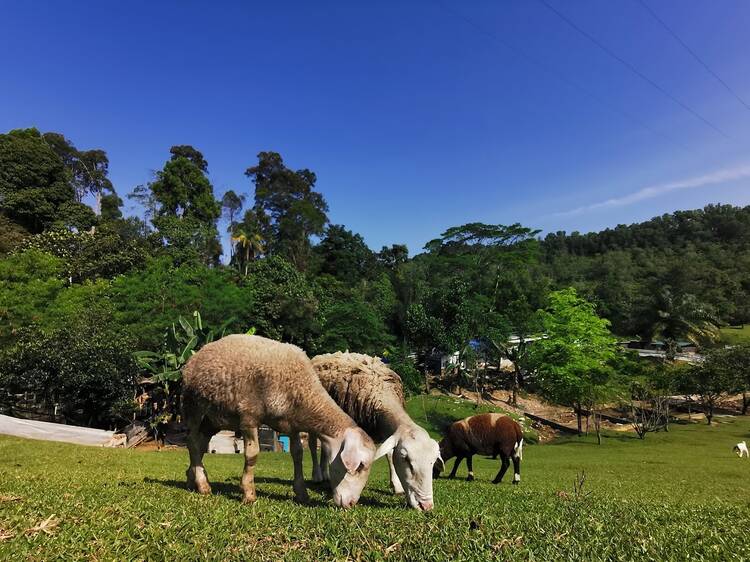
[[232, 491]]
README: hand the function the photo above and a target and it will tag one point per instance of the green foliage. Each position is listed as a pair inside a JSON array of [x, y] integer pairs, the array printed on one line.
[[90, 255], [34, 182], [354, 325], [150, 299], [181, 341], [29, 282], [399, 361], [573, 362], [288, 209], [722, 372], [282, 301], [85, 366], [345, 255]]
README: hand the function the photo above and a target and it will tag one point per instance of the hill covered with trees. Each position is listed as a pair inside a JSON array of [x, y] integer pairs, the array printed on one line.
[[82, 286]]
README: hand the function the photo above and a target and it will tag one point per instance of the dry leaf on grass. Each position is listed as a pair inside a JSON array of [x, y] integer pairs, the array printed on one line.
[[47, 526], [4, 498], [5, 535]]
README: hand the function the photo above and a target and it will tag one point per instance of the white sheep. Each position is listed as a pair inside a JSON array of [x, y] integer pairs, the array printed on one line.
[[371, 393], [741, 449], [240, 382]]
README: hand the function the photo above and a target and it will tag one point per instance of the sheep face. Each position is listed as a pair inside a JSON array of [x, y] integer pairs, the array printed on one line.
[[349, 466], [414, 455], [446, 453]]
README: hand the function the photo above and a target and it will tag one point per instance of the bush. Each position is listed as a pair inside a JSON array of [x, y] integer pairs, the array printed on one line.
[[86, 367], [411, 378]]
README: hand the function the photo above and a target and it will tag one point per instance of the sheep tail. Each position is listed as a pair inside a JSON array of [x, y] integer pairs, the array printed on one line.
[[518, 449]]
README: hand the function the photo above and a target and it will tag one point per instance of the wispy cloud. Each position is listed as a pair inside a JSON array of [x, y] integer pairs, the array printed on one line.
[[717, 177]]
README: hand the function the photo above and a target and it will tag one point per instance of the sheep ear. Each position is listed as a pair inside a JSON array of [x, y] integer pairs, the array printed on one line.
[[351, 454], [386, 446]]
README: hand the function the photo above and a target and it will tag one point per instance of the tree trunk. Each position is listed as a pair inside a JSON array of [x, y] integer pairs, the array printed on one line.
[[577, 410], [710, 413], [597, 426], [516, 378], [745, 402]]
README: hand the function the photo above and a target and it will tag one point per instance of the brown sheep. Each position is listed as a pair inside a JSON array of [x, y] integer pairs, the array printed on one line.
[[487, 434], [240, 382]]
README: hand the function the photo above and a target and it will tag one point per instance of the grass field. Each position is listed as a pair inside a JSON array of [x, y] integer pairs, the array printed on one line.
[[672, 497], [734, 336]]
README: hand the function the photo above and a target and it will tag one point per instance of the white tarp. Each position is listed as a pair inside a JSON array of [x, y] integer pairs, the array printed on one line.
[[225, 443], [47, 431]]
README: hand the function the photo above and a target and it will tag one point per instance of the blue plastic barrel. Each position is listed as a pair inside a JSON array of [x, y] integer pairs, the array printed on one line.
[[284, 440]]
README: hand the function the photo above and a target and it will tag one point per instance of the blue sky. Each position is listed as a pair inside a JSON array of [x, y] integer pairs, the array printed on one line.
[[415, 115]]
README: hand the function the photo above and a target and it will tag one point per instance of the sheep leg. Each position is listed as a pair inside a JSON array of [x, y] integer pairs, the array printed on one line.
[[324, 464], [300, 490], [503, 468], [398, 489], [199, 435], [252, 447], [516, 469], [317, 473], [455, 467], [469, 465]]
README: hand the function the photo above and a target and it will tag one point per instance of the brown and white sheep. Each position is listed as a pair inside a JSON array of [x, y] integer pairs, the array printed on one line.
[[240, 382], [487, 434], [371, 393]]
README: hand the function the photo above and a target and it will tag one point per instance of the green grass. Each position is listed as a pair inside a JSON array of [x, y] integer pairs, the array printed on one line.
[[734, 336], [671, 497], [435, 413]]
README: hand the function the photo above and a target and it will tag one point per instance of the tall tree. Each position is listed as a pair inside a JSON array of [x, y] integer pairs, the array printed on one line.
[[34, 182], [185, 211], [89, 169], [573, 360], [288, 208], [345, 255]]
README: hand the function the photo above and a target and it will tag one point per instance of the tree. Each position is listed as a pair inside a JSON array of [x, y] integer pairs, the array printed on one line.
[[184, 210], [281, 302], [356, 326], [345, 255], [189, 153], [392, 257], [681, 316], [711, 380], [182, 188], [573, 360], [34, 182], [89, 169], [288, 209], [84, 367], [248, 241], [232, 203]]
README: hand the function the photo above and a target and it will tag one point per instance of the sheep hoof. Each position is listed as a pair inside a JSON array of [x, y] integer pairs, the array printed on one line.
[[470, 477], [302, 498], [249, 499], [516, 482], [496, 481]]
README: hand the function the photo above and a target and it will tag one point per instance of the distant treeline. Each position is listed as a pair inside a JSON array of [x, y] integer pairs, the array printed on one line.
[[82, 286]]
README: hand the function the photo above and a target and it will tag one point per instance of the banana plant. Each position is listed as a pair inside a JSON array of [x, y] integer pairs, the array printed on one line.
[[181, 341]]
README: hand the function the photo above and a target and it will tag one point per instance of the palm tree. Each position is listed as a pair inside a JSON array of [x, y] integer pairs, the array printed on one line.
[[683, 316], [250, 247]]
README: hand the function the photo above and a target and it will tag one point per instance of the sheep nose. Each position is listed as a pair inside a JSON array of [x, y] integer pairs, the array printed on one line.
[[426, 505], [347, 504]]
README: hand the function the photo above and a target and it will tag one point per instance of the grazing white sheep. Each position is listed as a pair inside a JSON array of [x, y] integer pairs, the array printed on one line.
[[741, 449], [372, 394], [240, 382]]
